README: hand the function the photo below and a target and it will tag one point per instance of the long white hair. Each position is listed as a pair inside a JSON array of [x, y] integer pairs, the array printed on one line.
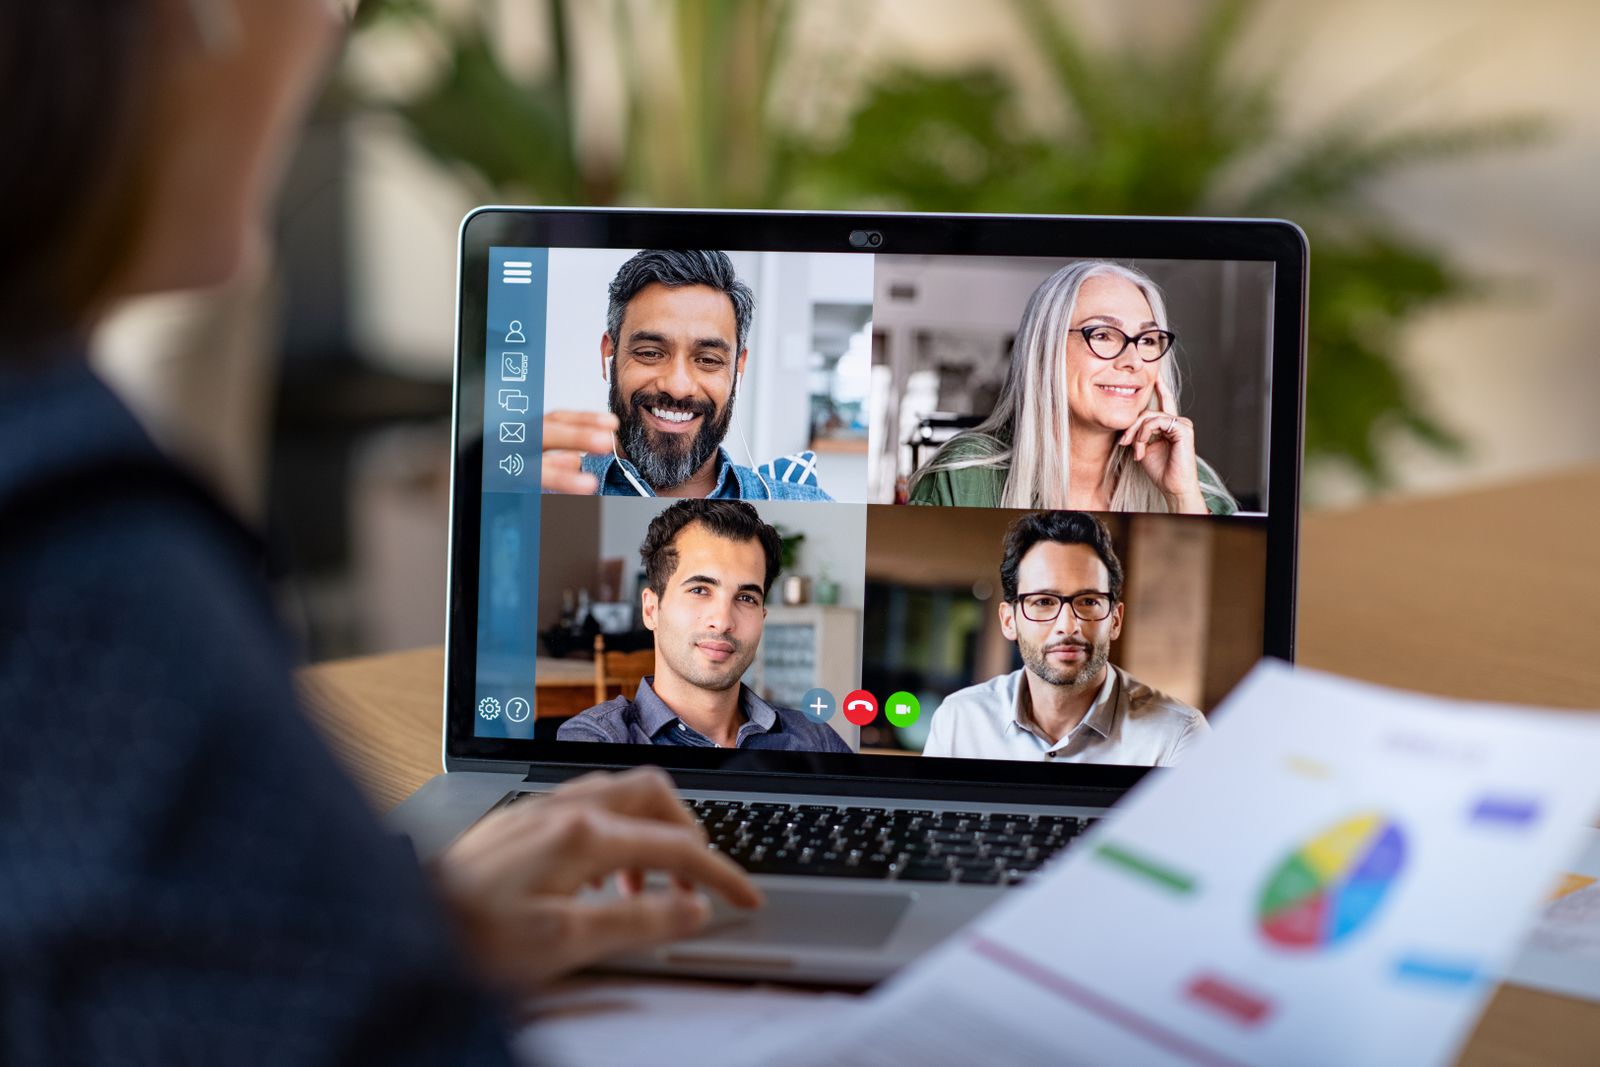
[[1028, 434]]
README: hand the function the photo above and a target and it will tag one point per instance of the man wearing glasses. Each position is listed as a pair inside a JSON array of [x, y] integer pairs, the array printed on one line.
[[1061, 584]]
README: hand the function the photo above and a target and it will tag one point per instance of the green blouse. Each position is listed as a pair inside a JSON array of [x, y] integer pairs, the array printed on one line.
[[980, 487]]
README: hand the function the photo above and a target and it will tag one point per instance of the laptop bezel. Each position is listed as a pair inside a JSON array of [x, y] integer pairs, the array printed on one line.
[[1279, 242]]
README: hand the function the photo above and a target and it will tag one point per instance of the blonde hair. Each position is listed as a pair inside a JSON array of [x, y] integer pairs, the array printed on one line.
[[1028, 434]]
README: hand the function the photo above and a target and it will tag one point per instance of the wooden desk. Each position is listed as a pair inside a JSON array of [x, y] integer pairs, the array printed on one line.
[[1491, 595]]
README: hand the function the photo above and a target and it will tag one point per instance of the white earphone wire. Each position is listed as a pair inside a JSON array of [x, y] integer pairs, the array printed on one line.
[[622, 464], [738, 424]]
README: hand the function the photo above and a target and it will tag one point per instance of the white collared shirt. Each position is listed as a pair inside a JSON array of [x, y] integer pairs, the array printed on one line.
[[1129, 723]]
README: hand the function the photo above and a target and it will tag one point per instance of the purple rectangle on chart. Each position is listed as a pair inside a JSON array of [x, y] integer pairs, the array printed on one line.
[[1513, 811]]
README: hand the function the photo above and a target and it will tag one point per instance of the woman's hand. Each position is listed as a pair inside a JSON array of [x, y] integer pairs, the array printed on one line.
[[511, 881], [1163, 444]]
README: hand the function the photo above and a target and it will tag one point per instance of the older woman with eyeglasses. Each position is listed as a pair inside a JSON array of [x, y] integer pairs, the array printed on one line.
[[1088, 417]]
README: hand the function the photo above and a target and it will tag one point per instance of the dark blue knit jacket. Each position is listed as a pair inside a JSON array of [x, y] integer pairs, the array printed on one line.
[[185, 874]]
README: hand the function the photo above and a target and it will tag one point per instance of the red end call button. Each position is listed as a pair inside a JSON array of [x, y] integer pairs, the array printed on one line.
[[860, 707]]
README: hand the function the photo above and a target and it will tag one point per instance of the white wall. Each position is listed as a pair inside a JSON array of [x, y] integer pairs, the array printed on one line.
[[575, 320], [836, 538]]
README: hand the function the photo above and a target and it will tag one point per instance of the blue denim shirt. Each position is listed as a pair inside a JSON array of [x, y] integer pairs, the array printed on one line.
[[733, 481], [646, 720]]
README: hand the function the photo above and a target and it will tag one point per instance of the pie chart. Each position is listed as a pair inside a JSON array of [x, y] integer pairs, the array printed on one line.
[[1329, 886]]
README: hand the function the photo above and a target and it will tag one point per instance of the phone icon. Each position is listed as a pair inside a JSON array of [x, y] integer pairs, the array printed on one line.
[[513, 366], [860, 707]]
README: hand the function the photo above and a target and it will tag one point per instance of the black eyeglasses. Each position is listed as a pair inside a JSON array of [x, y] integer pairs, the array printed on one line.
[[1108, 342], [1044, 607]]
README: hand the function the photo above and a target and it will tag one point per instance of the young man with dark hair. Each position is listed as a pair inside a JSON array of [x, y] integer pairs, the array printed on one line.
[[709, 565], [673, 355], [1061, 602]]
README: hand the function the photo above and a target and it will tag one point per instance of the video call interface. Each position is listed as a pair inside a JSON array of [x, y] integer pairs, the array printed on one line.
[[941, 506]]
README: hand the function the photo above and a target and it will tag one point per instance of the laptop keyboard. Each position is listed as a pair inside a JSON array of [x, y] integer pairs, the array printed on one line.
[[907, 845]]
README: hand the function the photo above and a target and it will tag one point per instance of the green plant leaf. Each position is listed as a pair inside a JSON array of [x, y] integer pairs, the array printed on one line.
[[515, 136]]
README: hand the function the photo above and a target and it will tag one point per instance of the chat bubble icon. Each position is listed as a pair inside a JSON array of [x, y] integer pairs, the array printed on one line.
[[514, 400]]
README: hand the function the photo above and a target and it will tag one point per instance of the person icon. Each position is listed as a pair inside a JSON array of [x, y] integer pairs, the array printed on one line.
[[514, 335]]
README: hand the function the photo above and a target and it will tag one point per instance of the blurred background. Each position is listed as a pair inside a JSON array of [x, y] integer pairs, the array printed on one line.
[[1438, 154]]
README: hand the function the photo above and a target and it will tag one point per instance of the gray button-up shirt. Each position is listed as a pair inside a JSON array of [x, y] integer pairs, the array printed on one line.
[[646, 720]]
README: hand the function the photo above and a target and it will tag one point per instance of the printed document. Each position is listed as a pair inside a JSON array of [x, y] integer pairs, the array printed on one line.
[[1341, 874]]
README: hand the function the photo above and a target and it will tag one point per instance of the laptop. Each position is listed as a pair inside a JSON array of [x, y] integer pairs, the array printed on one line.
[[959, 664]]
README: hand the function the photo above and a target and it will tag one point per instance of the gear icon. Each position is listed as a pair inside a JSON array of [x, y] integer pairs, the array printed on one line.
[[489, 708]]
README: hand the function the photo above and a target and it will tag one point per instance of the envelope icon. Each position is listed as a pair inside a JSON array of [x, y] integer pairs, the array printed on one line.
[[513, 432]]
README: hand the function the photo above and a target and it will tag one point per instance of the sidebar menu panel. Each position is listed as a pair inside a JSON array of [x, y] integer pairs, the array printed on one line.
[[513, 403]]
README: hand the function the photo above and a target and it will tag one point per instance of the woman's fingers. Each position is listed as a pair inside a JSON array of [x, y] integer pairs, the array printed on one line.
[[1173, 464], [1143, 426], [1150, 423], [1156, 424], [641, 793], [578, 843], [512, 880], [646, 846], [1138, 424], [633, 881]]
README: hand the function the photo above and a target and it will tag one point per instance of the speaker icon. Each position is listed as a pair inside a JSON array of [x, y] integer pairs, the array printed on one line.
[[512, 465]]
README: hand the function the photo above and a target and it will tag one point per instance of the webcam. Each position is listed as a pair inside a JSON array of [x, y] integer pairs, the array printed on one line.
[[865, 239]]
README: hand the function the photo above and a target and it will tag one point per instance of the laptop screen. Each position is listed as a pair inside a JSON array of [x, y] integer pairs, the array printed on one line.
[[862, 506]]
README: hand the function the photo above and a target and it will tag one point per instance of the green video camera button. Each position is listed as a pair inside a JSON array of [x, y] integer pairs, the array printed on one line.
[[902, 709]]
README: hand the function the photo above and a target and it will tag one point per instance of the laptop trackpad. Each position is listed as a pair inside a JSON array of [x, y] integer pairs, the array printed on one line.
[[811, 919]]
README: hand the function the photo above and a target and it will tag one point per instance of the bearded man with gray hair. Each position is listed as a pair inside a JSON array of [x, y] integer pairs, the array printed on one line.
[[673, 355]]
